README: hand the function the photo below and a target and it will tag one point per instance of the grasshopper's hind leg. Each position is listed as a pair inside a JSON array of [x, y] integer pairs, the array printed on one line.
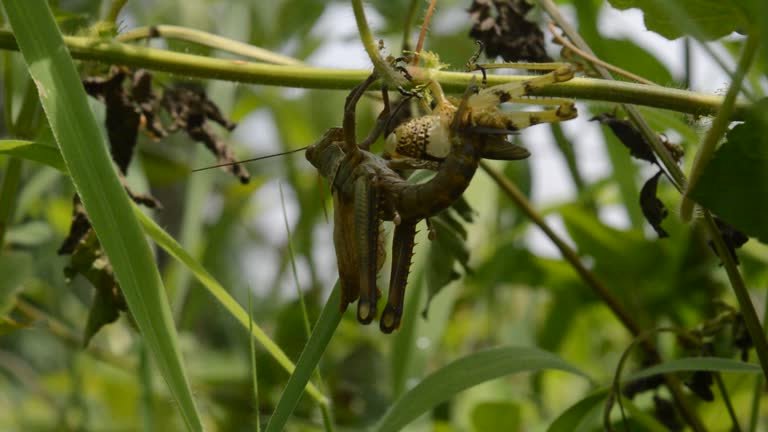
[[366, 228], [402, 251]]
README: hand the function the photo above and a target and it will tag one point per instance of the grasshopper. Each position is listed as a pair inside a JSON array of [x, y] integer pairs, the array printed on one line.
[[367, 190]]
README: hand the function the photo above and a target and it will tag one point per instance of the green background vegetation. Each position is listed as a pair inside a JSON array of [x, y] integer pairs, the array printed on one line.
[[518, 341]]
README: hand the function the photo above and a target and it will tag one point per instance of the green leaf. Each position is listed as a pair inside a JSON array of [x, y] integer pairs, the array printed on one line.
[[705, 19], [464, 373], [712, 364], [580, 416], [734, 185], [85, 153], [35, 152], [492, 416]]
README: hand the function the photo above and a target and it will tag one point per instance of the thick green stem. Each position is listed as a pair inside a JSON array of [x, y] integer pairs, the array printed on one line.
[[111, 52]]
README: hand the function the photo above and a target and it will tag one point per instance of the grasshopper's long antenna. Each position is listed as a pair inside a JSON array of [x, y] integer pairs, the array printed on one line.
[[250, 160]]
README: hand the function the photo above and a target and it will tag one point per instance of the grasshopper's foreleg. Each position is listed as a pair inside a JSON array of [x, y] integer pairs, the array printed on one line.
[[350, 105], [402, 251]]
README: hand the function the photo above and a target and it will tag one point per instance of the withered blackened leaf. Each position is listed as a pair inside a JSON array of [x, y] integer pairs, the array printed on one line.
[[732, 237], [502, 28], [666, 413], [700, 382], [88, 259], [626, 132], [78, 229], [190, 110], [146, 101], [652, 207], [123, 118]]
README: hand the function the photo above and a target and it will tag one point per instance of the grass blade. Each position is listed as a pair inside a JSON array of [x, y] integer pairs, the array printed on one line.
[[33, 151], [330, 317], [712, 364], [84, 151], [464, 373]]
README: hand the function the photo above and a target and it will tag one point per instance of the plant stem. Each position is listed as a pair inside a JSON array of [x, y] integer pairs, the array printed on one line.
[[719, 124], [727, 400], [757, 392], [387, 73], [210, 40], [111, 52], [410, 17], [751, 320]]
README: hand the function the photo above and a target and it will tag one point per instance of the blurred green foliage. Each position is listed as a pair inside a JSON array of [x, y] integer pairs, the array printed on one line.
[[493, 282]]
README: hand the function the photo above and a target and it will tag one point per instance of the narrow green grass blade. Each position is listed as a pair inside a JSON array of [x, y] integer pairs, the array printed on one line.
[[464, 373], [84, 151], [165, 241], [32, 151], [330, 317], [712, 364], [35, 152]]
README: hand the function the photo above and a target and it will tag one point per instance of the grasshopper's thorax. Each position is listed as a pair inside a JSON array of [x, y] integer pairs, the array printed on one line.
[[426, 137]]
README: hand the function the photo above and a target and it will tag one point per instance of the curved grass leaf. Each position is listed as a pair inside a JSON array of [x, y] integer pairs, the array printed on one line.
[[329, 319], [712, 364], [84, 151], [31, 151], [464, 373]]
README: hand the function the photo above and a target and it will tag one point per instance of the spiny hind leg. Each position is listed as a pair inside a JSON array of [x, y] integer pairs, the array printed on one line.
[[518, 120], [514, 91]]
